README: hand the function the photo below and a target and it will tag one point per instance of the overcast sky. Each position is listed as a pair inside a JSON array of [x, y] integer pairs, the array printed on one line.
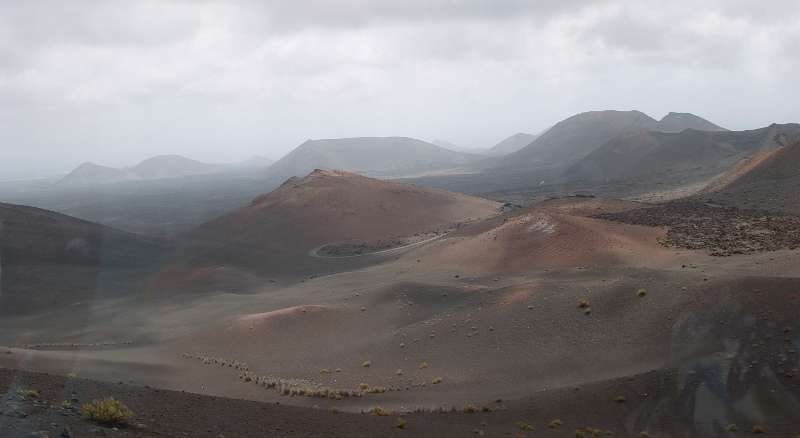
[[118, 81]]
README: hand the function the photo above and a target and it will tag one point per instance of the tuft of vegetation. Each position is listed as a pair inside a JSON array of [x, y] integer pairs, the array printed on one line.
[[591, 432], [366, 363], [380, 412], [29, 393], [641, 293], [644, 434], [620, 399], [401, 423], [108, 412], [436, 380], [423, 365], [523, 426], [583, 304], [732, 428], [470, 409], [759, 429], [555, 424]]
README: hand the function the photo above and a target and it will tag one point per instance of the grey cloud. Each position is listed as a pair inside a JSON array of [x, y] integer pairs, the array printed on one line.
[[115, 81], [97, 23], [348, 13]]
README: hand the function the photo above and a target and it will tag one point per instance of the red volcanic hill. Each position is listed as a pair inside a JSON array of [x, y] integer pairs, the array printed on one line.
[[275, 233]]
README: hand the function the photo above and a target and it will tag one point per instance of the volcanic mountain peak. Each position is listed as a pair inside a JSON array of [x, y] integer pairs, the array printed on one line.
[[575, 137], [379, 156], [677, 122], [318, 173]]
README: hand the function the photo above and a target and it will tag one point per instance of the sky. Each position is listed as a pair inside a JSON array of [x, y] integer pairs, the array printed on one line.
[[117, 81]]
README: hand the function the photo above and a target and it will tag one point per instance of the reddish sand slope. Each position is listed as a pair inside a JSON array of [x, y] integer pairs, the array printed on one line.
[[541, 238]]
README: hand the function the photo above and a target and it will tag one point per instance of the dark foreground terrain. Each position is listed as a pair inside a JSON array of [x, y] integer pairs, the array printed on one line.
[[619, 408]]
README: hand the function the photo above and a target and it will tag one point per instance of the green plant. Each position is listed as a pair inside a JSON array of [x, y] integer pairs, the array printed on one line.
[[555, 424], [641, 293], [109, 411], [401, 423], [523, 426]]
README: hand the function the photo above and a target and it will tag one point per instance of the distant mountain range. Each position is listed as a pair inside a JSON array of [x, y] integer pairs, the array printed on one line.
[[373, 156], [159, 167], [576, 137], [640, 153]]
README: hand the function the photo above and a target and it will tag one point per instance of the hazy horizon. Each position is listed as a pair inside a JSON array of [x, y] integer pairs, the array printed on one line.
[[117, 82]]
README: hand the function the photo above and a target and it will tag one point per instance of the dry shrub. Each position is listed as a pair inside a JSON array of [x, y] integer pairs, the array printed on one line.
[[108, 412]]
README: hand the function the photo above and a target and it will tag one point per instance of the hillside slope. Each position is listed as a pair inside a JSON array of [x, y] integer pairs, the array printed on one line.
[[770, 181], [690, 153], [512, 144], [50, 259]]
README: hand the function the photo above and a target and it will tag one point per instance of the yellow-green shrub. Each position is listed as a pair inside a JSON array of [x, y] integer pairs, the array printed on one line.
[[107, 411]]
